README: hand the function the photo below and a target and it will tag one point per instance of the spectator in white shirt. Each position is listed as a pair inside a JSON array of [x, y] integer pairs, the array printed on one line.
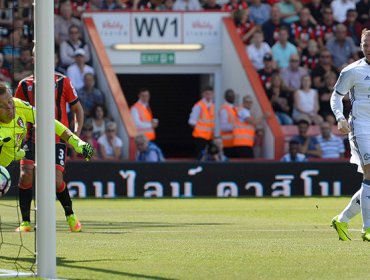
[[110, 145], [293, 155], [340, 8], [257, 50], [306, 103], [187, 5], [332, 146], [77, 70], [68, 47]]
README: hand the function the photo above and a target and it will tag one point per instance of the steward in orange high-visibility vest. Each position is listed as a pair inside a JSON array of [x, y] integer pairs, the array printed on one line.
[[228, 136], [145, 116], [142, 115], [228, 118], [202, 118], [244, 134], [205, 125], [245, 129]]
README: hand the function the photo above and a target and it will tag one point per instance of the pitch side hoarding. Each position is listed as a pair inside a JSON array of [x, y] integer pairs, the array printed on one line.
[[194, 179]]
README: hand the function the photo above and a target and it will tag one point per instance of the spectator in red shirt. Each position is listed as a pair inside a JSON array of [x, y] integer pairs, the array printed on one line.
[[147, 5], [235, 5], [79, 6], [310, 55], [244, 26], [325, 30], [303, 30], [267, 71]]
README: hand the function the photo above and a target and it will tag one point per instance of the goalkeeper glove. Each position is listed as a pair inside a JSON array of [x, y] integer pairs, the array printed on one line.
[[20, 154], [81, 147]]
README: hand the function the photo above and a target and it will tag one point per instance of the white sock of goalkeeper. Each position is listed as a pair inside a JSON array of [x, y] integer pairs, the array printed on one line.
[[352, 209], [365, 204]]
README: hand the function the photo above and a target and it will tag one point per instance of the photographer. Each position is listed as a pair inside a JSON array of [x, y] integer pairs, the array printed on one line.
[[214, 151]]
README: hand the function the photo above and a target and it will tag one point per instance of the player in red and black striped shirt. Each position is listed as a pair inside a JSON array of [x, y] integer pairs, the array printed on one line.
[[64, 94]]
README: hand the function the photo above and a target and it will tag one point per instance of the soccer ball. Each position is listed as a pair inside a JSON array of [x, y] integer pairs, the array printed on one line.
[[5, 181]]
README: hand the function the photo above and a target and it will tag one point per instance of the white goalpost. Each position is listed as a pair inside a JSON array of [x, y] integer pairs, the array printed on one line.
[[45, 143]]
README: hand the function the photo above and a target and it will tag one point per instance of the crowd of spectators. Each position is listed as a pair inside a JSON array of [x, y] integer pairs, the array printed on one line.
[[72, 58], [307, 44], [297, 47]]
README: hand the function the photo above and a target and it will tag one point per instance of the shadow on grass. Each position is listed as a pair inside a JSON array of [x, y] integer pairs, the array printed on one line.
[[70, 264], [96, 225], [110, 227], [20, 264]]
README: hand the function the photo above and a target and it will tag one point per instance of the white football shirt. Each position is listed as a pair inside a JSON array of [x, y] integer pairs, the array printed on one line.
[[355, 79]]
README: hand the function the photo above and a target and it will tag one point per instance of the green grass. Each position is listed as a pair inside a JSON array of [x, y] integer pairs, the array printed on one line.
[[250, 238]]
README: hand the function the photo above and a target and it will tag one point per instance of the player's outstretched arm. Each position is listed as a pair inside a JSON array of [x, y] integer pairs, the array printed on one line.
[[80, 147]]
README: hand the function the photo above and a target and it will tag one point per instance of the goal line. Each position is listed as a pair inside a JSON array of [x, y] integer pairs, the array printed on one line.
[[6, 273]]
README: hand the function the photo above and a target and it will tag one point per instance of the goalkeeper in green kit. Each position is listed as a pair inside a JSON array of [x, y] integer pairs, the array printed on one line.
[[15, 114]]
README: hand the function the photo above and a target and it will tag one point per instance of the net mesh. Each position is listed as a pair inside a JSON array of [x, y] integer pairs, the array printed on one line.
[[17, 249]]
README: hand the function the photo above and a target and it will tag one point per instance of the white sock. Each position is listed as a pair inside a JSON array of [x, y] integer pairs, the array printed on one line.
[[353, 208], [365, 204]]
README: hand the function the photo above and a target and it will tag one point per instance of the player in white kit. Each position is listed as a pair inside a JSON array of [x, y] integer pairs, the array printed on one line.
[[355, 80]]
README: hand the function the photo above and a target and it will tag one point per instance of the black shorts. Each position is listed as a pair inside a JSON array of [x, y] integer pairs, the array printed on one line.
[[60, 154]]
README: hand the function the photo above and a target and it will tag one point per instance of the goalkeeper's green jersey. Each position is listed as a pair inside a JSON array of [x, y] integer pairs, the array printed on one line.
[[16, 130]]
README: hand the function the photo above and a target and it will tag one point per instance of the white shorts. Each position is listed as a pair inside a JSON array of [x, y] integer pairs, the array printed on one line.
[[360, 150]]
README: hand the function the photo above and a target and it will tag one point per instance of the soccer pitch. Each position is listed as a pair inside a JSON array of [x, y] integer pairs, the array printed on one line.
[[265, 238]]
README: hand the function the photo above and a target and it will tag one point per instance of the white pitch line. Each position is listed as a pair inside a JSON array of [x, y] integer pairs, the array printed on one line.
[[218, 231], [6, 273]]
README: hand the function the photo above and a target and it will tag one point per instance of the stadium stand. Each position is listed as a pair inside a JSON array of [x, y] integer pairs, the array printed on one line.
[[310, 24]]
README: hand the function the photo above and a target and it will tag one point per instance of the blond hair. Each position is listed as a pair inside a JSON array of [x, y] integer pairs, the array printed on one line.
[[365, 32], [3, 88]]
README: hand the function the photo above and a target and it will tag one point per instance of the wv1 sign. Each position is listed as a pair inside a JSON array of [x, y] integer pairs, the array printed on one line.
[[162, 28], [156, 28]]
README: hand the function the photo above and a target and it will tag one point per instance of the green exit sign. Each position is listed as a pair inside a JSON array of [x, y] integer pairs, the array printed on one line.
[[157, 58]]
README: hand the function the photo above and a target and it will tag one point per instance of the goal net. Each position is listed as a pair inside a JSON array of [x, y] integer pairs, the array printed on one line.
[[17, 249]]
